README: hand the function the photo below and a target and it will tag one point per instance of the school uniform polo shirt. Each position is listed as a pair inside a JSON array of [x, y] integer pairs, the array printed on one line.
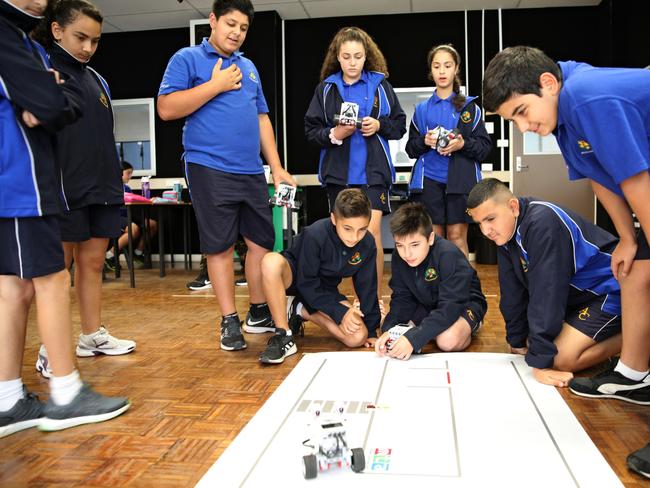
[[358, 92], [224, 133], [603, 126], [439, 112]]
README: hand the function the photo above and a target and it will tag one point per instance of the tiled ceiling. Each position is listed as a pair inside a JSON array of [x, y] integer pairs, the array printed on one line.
[[132, 15]]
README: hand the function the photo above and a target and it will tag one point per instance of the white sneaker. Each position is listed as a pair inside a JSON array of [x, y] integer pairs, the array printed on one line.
[[43, 363], [101, 342]]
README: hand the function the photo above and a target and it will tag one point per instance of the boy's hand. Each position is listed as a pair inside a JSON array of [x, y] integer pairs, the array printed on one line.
[[370, 342], [519, 350], [623, 257], [281, 175], [226, 79], [369, 126], [401, 349], [344, 131], [380, 344], [552, 377], [57, 76], [455, 145], [30, 120], [352, 321]]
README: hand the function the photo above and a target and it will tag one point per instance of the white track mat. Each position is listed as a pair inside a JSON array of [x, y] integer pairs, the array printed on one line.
[[437, 420]]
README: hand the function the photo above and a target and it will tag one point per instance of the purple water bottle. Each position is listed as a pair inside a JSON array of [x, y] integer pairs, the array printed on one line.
[[146, 190]]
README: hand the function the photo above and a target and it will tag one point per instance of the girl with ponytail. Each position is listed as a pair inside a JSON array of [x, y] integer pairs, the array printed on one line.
[[447, 168]]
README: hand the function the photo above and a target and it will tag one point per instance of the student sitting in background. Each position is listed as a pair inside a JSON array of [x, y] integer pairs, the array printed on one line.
[[434, 287]]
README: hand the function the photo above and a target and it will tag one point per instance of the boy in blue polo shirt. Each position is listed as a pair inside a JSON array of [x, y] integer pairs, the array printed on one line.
[[220, 93], [559, 299], [601, 119]]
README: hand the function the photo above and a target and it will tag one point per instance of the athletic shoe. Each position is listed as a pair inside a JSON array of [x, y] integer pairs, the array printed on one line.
[[201, 282], [612, 384], [279, 347], [86, 408], [259, 326], [26, 413], [43, 363], [241, 281], [109, 264], [639, 461], [101, 342], [296, 322], [232, 338]]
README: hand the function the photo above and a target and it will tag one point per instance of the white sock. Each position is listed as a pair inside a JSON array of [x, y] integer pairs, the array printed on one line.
[[138, 252], [630, 373], [109, 255], [289, 333], [10, 392], [63, 389], [299, 309]]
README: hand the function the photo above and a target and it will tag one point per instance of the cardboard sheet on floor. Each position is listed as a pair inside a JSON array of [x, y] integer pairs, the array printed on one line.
[[437, 420]]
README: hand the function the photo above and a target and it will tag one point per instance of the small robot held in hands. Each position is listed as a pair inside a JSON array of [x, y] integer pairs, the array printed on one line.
[[285, 196], [349, 115], [329, 445], [444, 136], [395, 333]]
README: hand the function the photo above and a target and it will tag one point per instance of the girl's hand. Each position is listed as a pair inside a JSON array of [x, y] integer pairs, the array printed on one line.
[[431, 138], [343, 131], [30, 120], [369, 126], [455, 145]]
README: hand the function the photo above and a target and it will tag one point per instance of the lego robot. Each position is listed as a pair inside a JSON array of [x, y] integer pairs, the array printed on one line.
[[329, 446], [285, 196], [395, 333], [349, 115]]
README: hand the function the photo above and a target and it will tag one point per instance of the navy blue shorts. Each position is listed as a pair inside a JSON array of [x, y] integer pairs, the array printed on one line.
[[30, 247], [443, 208], [642, 250], [593, 322], [470, 314], [378, 196], [292, 290], [99, 221], [227, 205]]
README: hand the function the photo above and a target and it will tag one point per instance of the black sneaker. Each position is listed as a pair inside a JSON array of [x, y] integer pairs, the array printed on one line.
[[201, 282], [279, 347], [612, 384], [231, 335], [241, 281], [296, 322], [87, 407], [259, 326], [26, 413], [639, 461]]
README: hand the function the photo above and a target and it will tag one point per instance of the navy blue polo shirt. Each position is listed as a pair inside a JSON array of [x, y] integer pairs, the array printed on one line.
[[223, 134], [439, 112], [357, 93], [603, 126]]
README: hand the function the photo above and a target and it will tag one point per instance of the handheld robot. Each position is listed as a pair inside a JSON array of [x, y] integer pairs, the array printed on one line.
[[285, 196], [349, 115], [395, 333], [445, 136], [329, 446]]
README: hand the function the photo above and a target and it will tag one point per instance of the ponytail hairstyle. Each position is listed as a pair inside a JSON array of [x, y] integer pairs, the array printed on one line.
[[63, 12], [459, 99], [375, 60]]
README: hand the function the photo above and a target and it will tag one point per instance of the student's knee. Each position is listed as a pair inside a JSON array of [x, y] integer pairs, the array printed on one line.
[[565, 362], [20, 292], [357, 339], [272, 265], [452, 340]]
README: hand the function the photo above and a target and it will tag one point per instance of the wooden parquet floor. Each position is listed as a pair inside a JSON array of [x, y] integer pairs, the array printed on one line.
[[190, 399]]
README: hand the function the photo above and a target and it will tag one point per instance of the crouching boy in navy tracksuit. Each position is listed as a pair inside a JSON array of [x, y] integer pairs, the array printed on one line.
[[311, 270], [434, 287], [559, 299]]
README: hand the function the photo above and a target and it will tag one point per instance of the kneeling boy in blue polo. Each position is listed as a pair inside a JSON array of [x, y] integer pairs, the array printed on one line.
[[220, 93], [559, 299], [434, 287], [312, 269]]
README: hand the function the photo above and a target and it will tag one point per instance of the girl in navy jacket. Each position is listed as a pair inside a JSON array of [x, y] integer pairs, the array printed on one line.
[[443, 175], [354, 70]]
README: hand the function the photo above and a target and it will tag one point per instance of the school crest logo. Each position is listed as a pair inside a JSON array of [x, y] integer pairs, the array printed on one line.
[[466, 117], [430, 274], [471, 316], [584, 147], [103, 99], [252, 77], [524, 264], [355, 259], [584, 314], [375, 102], [382, 197]]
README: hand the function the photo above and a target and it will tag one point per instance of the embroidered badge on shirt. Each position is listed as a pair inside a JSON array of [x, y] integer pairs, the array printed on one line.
[[355, 259], [466, 117], [252, 77], [103, 99], [430, 274]]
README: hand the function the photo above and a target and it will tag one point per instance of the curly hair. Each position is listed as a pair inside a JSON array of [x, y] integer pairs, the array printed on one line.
[[375, 60], [64, 13], [459, 100]]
